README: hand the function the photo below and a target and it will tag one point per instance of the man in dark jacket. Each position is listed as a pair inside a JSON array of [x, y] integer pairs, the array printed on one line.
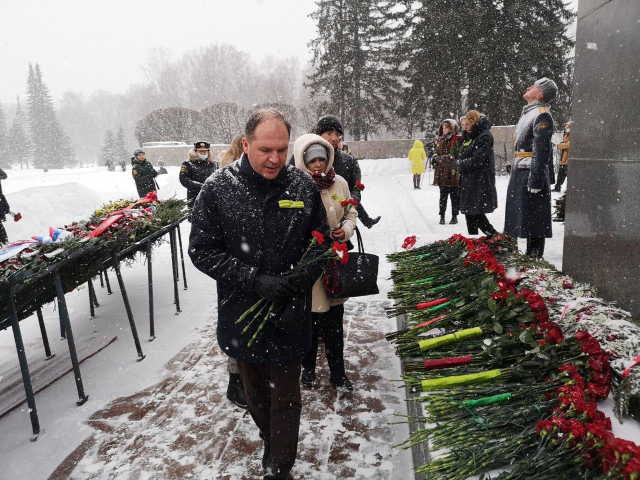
[[528, 208], [143, 173], [197, 169], [330, 128], [252, 222]]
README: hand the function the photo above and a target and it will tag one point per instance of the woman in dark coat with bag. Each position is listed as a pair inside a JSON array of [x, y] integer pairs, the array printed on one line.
[[446, 176], [476, 167]]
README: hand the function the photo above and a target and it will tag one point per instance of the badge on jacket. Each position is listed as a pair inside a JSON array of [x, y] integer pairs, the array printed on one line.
[[134, 173], [291, 204], [543, 125], [183, 169]]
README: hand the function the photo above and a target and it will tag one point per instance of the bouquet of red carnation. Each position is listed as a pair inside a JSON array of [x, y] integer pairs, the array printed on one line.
[[263, 308]]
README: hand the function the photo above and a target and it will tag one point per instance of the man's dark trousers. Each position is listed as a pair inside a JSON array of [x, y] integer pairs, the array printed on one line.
[[275, 404]]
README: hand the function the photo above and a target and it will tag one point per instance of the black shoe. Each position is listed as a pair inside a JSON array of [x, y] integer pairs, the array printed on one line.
[[308, 378], [454, 220], [235, 391], [371, 222], [270, 476], [342, 383], [442, 222]]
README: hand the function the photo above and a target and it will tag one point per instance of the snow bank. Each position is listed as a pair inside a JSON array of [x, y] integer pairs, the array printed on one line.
[[58, 197], [52, 206]]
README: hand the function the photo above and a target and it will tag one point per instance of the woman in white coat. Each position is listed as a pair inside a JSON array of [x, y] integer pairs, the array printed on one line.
[[314, 155]]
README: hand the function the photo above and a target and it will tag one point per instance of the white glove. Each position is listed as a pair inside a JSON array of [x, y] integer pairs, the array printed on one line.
[[535, 190]]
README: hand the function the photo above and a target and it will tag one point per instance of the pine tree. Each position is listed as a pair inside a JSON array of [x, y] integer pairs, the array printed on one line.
[[18, 140], [4, 141], [488, 50], [119, 147], [52, 147], [352, 58], [108, 150]]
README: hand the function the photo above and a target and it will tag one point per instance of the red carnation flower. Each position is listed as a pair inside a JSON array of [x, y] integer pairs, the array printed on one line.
[[340, 249], [360, 185], [318, 236], [409, 242]]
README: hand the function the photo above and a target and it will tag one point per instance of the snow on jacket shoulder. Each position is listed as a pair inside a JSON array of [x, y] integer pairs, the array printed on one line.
[[333, 209]]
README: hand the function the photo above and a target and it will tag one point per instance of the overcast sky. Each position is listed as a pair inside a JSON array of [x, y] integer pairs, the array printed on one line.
[[87, 45]]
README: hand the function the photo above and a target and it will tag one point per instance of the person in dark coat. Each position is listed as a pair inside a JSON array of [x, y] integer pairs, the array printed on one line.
[[162, 170], [247, 238], [330, 128], [448, 146], [193, 173], [476, 166], [197, 169], [143, 173], [528, 208], [4, 210]]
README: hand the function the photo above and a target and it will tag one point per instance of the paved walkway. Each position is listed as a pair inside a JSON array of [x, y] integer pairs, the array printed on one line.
[[184, 427]]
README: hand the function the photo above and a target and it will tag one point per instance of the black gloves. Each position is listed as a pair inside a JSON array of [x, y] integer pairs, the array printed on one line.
[[288, 316], [301, 281], [278, 290]]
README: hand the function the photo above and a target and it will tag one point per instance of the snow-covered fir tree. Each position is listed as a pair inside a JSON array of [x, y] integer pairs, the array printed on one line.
[[51, 145], [119, 146], [353, 63], [488, 50], [19, 145], [108, 150]]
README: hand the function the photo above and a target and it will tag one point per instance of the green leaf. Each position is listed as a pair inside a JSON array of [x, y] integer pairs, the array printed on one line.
[[460, 303], [498, 328], [483, 315], [491, 303]]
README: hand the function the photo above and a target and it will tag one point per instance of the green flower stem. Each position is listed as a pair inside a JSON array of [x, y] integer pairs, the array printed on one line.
[[251, 310], [264, 322]]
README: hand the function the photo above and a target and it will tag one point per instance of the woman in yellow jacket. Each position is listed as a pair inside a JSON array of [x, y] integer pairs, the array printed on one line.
[[418, 156]]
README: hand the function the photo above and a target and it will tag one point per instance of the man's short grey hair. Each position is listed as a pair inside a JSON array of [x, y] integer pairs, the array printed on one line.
[[262, 115]]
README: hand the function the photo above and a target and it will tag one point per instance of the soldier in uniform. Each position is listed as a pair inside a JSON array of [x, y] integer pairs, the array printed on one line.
[[143, 173], [564, 156], [528, 207], [197, 169]]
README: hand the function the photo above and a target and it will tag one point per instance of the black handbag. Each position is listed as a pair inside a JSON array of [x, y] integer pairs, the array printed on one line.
[[356, 278]]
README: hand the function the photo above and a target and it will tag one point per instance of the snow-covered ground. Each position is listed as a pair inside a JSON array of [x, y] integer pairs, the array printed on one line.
[[57, 197]]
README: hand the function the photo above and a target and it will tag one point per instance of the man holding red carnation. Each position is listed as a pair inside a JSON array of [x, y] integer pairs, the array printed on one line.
[[252, 222]]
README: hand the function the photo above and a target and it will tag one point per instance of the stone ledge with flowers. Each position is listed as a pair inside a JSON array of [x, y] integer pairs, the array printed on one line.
[[511, 361], [82, 247]]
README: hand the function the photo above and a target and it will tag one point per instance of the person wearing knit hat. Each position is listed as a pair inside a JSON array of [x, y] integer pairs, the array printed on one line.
[[528, 206], [315, 156], [330, 128]]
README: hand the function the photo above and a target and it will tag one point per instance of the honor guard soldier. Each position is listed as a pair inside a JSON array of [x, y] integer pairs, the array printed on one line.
[[197, 169], [528, 207]]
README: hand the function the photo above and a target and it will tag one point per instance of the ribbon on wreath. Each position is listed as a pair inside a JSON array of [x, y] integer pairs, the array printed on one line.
[[627, 371]]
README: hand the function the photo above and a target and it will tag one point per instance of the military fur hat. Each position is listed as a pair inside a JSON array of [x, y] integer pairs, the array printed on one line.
[[549, 89], [329, 123], [200, 145], [137, 152]]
